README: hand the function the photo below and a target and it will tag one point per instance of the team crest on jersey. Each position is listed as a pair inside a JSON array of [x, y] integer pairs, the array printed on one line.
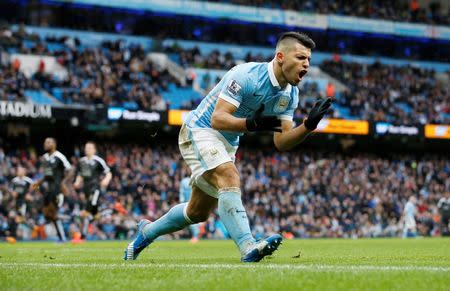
[[282, 104], [233, 87]]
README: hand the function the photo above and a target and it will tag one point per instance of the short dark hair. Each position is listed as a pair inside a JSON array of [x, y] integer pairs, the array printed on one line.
[[301, 37]]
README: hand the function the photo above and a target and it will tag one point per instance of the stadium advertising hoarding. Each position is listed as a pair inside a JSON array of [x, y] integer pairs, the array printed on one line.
[[441, 131], [9, 109], [343, 126], [122, 114], [385, 128], [176, 117], [339, 126]]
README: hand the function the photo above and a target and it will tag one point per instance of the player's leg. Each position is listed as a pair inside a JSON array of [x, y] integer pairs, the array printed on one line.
[[90, 211], [178, 217], [231, 210], [21, 207], [233, 215], [195, 232], [50, 211]]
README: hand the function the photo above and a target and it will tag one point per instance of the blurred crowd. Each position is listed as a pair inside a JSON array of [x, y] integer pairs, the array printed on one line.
[[404, 10], [402, 95], [214, 60], [116, 74], [376, 92], [111, 74], [300, 194]]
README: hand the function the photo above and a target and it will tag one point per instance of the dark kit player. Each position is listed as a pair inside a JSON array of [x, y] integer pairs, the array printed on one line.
[[20, 187], [56, 173], [90, 171]]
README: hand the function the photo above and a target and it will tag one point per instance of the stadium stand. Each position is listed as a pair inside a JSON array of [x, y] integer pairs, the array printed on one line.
[[307, 194], [406, 10], [118, 74]]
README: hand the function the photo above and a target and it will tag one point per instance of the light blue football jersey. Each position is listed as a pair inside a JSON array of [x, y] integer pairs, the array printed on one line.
[[410, 210], [246, 86]]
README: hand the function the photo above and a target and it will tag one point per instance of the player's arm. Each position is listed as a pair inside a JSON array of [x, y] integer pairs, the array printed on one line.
[[290, 137], [223, 119], [68, 174], [105, 181], [30, 183], [106, 171], [240, 86], [78, 181], [13, 193]]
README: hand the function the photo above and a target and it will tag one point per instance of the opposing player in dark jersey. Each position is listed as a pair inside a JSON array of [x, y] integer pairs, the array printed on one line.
[[93, 176], [56, 173], [20, 187]]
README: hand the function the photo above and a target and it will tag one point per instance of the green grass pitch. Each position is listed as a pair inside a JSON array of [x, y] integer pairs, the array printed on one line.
[[330, 264]]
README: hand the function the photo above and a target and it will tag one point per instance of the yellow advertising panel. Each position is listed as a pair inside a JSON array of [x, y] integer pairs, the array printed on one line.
[[437, 131], [176, 116], [343, 126]]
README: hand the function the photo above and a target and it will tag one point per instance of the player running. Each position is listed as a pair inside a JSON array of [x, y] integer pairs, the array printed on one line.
[[250, 97], [89, 171], [409, 222], [20, 186], [57, 172]]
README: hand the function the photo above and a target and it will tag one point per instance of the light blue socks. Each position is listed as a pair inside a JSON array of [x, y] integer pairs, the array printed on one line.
[[234, 217], [174, 220]]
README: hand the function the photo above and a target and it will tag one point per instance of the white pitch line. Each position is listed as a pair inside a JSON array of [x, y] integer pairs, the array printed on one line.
[[289, 267]]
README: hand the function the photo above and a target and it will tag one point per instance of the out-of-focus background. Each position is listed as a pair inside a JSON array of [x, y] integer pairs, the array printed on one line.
[[124, 73]]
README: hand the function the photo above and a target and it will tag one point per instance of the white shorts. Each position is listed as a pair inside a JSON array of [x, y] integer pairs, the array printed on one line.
[[410, 223], [204, 149]]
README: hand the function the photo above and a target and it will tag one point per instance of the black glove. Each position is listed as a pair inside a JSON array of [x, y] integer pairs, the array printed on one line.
[[316, 114], [263, 123]]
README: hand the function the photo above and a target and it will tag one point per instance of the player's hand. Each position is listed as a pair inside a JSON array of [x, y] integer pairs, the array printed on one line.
[[35, 186], [316, 114], [260, 122], [76, 185]]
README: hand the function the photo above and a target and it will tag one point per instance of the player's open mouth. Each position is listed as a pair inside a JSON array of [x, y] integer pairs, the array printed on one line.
[[302, 73]]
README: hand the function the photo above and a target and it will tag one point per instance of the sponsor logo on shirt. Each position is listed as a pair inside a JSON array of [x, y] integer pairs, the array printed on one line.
[[233, 88]]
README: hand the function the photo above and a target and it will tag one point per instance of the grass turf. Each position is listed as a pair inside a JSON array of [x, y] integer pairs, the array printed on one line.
[[377, 264]]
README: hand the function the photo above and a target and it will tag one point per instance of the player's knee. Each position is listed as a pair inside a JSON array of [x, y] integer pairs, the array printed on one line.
[[198, 215], [227, 176]]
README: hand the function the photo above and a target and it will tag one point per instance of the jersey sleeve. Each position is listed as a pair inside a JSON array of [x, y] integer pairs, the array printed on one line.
[[29, 181], [236, 85], [288, 114], [103, 166], [65, 163]]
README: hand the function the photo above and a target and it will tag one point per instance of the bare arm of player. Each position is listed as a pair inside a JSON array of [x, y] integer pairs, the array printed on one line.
[[68, 175], [78, 181], [105, 181], [289, 137], [222, 118]]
